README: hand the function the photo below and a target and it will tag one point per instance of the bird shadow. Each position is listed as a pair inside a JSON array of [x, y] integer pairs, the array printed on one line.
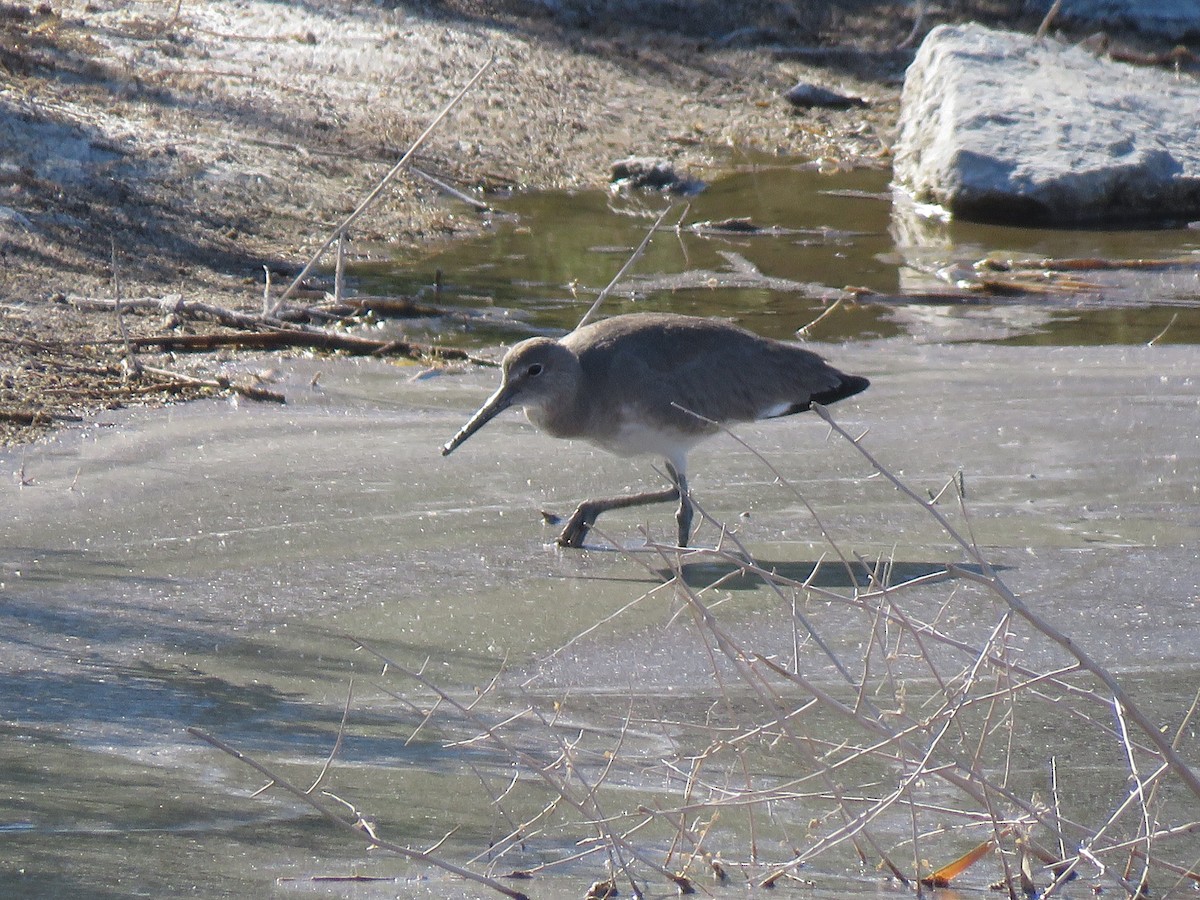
[[824, 574]]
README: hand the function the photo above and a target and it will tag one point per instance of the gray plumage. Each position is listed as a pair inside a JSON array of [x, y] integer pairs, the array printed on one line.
[[654, 383]]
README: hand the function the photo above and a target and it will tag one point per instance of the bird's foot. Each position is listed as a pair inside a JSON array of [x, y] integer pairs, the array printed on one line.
[[577, 526]]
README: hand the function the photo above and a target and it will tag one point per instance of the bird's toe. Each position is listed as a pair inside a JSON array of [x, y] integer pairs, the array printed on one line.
[[577, 526], [572, 535]]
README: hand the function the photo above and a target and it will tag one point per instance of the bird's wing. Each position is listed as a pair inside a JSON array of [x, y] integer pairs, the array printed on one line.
[[650, 365], [742, 378]]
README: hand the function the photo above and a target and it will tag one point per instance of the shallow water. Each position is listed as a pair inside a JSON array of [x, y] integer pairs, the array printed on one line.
[[215, 565], [548, 254]]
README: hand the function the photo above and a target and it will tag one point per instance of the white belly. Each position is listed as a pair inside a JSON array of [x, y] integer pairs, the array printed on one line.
[[633, 437]]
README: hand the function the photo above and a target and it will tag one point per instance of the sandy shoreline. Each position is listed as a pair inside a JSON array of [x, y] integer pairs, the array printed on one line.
[[195, 144]]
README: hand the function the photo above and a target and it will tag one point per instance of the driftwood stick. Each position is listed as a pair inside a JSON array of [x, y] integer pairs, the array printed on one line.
[[313, 339], [263, 332], [35, 416], [407, 308], [219, 382], [175, 304]]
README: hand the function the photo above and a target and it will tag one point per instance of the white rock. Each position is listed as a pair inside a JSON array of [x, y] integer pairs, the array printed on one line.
[[996, 126]]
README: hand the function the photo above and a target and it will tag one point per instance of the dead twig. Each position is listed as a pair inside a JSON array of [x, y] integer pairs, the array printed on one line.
[[339, 269], [539, 767], [174, 304], [260, 332], [337, 744], [379, 188], [990, 579], [477, 205], [36, 416], [637, 254], [1158, 337], [219, 382], [134, 366], [353, 826], [313, 340], [1040, 35], [806, 330]]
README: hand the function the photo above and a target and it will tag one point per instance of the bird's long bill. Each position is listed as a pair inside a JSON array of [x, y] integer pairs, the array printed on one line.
[[497, 403]]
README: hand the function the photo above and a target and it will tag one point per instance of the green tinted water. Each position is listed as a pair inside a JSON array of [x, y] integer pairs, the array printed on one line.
[[546, 255]]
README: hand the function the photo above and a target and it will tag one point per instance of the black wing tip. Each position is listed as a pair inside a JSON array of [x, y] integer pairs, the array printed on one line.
[[847, 387]]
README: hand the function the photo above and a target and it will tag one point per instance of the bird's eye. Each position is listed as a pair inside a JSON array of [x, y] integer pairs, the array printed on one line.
[[535, 369]]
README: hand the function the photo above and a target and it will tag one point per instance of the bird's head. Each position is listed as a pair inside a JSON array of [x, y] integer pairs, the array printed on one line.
[[539, 374]]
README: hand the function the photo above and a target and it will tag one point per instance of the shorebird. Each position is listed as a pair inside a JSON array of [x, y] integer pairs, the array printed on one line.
[[653, 383]]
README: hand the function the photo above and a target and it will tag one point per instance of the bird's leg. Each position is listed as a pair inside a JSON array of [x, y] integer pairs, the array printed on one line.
[[683, 516], [586, 513]]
